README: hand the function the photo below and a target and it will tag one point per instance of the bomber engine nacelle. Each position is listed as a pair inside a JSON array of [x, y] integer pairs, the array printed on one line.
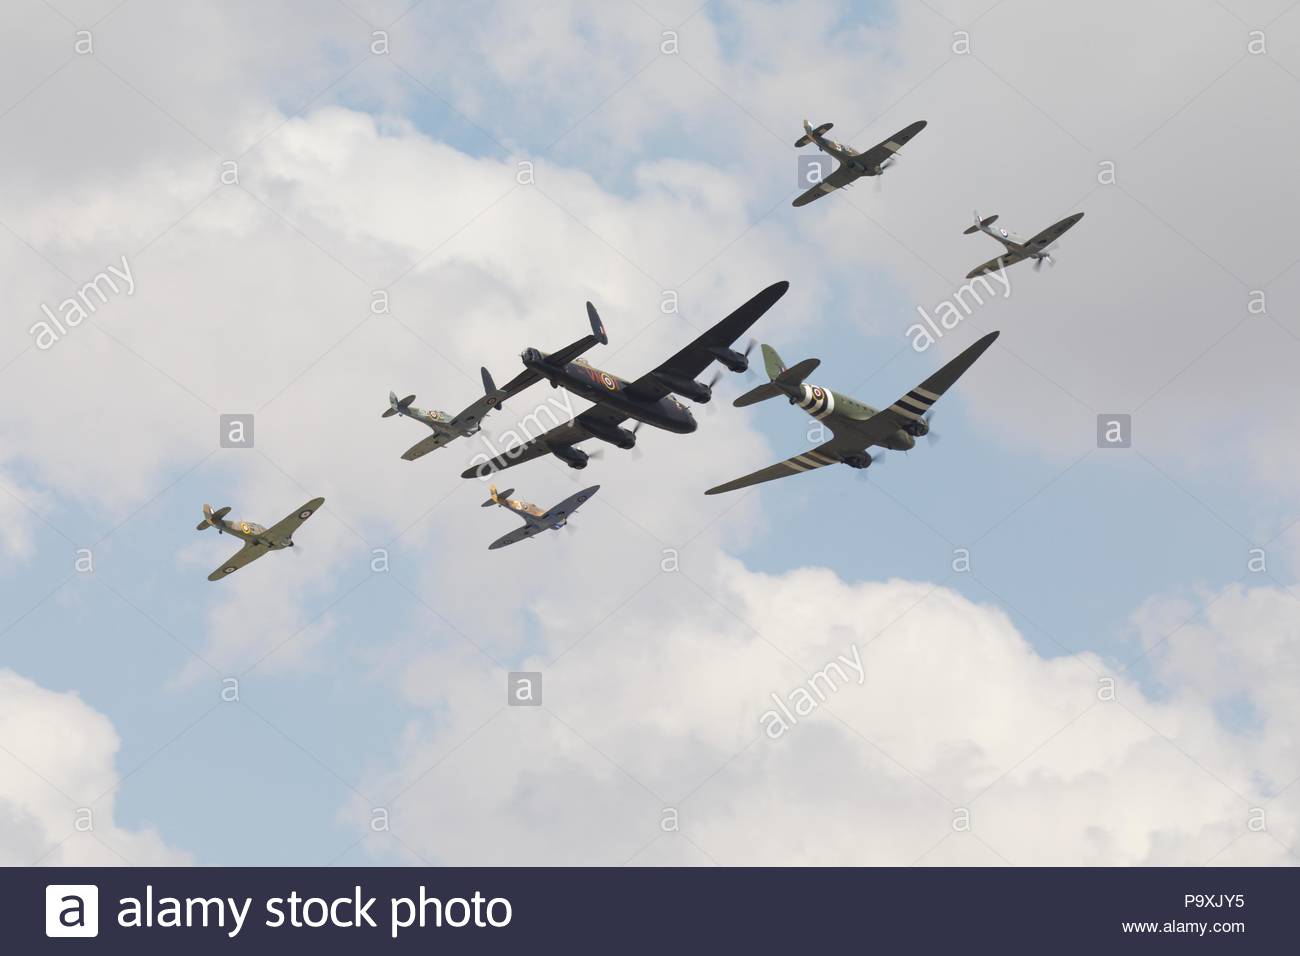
[[688, 389], [614, 434], [737, 362], [573, 457]]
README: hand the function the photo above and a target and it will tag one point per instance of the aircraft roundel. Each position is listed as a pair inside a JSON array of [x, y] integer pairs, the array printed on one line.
[[607, 380], [304, 515], [818, 393], [229, 570]]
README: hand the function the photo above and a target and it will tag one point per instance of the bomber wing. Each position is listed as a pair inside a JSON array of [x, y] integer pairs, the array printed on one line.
[[691, 361], [561, 436], [249, 553]]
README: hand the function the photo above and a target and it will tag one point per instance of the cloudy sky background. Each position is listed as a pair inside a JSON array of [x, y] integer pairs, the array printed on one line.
[[371, 725]]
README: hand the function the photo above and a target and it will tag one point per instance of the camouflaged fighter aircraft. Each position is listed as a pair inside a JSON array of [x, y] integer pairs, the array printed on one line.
[[257, 539], [650, 399], [446, 428], [853, 165], [535, 519], [1018, 249], [856, 427]]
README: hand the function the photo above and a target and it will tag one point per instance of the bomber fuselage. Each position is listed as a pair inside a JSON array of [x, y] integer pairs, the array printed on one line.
[[605, 388]]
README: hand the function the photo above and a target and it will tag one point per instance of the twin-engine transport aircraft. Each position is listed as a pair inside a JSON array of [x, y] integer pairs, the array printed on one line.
[[257, 539], [856, 427], [853, 165], [1018, 249], [535, 519], [446, 428], [650, 399]]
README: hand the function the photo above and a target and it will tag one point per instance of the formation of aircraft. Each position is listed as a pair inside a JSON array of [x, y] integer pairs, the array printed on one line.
[[852, 164], [1037, 248], [855, 427], [257, 539], [446, 428], [535, 519], [655, 398], [651, 399]]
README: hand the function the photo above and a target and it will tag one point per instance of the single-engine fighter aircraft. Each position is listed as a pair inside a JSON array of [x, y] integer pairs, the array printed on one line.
[[650, 399], [535, 519], [853, 165], [446, 428], [856, 427], [1018, 249], [257, 539]]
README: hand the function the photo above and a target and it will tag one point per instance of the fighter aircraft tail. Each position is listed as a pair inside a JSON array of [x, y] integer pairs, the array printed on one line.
[[211, 518], [979, 224], [396, 406], [810, 134], [495, 497]]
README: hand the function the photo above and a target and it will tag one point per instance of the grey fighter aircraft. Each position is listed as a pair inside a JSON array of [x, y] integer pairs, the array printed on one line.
[[856, 427], [535, 519], [853, 165], [446, 428], [257, 539], [650, 399], [1018, 249]]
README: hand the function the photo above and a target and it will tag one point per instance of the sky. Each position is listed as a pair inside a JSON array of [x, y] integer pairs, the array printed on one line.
[[1008, 647]]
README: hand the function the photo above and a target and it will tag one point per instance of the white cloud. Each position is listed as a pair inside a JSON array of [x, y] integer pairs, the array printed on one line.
[[57, 761]]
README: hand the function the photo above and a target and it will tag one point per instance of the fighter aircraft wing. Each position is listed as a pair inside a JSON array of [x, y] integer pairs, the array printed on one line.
[[841, 177], [521, 533], [570, 504], [425, 445], [560, 436], [249, 553], [1053, 232], [882, 151], [1007, 258], [917, 402], [285, 527], [691, 361], [827, 453]]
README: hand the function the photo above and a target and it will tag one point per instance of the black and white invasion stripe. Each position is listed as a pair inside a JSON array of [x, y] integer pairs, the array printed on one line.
[[915, 403], [809, 460]]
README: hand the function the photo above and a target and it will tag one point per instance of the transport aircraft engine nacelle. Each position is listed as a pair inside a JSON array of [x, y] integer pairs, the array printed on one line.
[[573, 457], [858, 461], [737, 362], [688, 389], [918, 428]]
